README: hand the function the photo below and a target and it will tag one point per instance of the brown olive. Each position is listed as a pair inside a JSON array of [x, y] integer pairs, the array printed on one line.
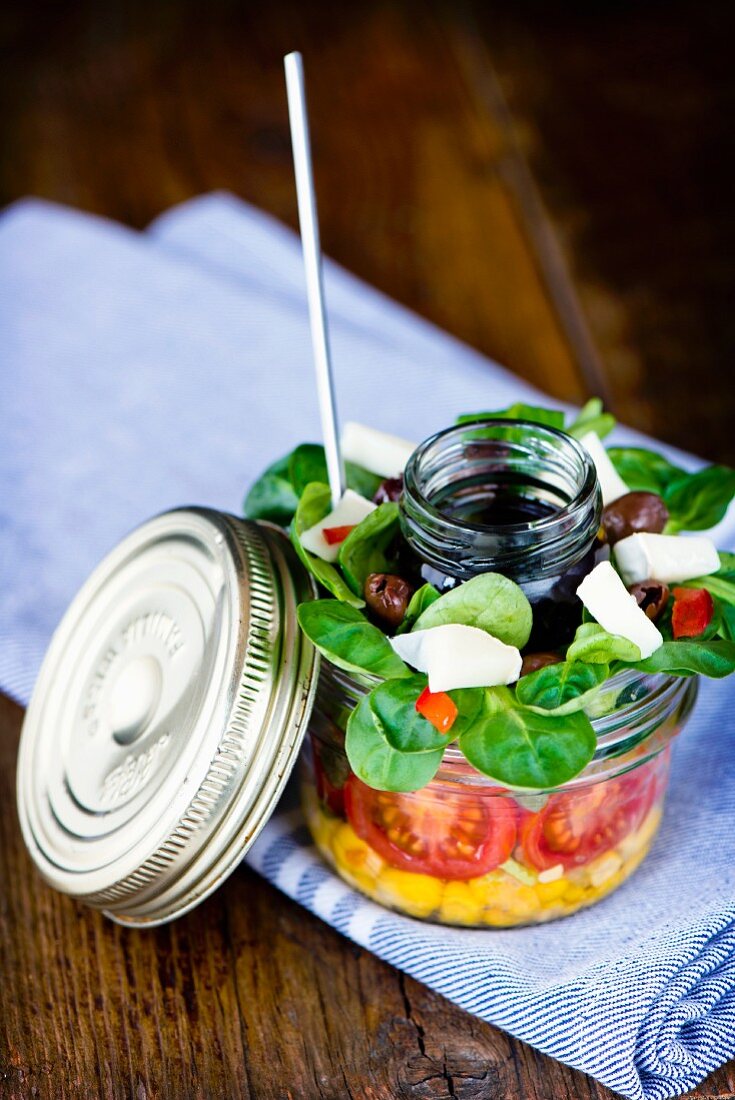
[[534, 661], [388, 490], [651, 596], [387, 596], [634, 512]]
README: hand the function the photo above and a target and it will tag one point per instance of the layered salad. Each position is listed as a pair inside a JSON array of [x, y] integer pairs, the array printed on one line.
[[454, 764]]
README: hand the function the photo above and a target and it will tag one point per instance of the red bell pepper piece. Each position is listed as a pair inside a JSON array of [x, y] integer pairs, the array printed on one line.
[[334, 535], [438, 708], [692, 612]]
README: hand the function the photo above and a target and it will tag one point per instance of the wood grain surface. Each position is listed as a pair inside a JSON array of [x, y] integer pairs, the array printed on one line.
[[248, 997], [535, 184], [620, 110]]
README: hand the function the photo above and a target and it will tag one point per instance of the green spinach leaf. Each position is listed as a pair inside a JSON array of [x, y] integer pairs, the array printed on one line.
[[275, 495], [348, 640], [422, 598], [362, 481], [520, 747], [644, 470], [315, 504], [553, 418], [394, 705], [695, 501], [591, 418], [715, 658], [727, 621], [272, 496], [720, 584], [470, 704], [489, 601], [564, 687], [367, 549], [308, 463], [698, 501], [595, 646], [727, 564], [376, 762]]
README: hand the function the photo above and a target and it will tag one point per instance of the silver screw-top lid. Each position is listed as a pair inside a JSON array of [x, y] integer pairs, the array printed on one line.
[[167, 716]]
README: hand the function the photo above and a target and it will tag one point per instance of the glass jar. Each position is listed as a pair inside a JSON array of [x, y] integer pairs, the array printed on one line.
[[510, 497], [520, 499], [464, 851]]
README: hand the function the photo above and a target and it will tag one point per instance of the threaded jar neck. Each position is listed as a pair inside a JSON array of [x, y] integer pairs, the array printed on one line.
[[507, 496]]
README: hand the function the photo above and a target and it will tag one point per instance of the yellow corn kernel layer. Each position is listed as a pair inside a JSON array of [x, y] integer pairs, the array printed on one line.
[[496, 900]]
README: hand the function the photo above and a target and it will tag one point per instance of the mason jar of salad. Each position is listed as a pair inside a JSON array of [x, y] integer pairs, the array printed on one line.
[[485, 645], [481, 649], [511, 631], [464, 850]]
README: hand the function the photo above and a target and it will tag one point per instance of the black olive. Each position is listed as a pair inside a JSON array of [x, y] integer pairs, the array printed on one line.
[[387, 596], [651, 596], [534, 661], [632, 513]]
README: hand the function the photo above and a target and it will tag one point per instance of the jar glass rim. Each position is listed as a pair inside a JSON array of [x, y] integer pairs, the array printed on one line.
[[586, 493]]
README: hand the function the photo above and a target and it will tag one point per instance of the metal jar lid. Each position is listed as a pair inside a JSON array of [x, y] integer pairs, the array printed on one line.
[[167, 715]]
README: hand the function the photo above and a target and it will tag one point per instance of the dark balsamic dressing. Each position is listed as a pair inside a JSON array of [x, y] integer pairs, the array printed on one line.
[[556, 609], [499, 508]]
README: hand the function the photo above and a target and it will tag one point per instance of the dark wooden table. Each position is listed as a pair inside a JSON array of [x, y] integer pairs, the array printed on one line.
[[550, 189]]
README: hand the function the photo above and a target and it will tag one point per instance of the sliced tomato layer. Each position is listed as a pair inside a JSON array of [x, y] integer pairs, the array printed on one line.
[[576, 826], [439, 833]]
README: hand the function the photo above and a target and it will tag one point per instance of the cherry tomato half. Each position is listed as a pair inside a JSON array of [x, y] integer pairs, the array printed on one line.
[[575, 827], [449, 836]]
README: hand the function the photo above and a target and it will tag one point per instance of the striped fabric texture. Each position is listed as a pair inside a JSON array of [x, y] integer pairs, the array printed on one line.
[[143, 371]]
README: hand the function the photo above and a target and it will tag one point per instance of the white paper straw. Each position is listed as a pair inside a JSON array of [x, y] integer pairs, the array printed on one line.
[[309, 223]]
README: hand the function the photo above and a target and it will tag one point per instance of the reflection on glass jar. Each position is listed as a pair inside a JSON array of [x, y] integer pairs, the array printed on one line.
[[464, 851]]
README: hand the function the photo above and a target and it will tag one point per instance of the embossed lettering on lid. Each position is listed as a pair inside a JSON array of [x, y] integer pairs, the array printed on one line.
[[167, 715]]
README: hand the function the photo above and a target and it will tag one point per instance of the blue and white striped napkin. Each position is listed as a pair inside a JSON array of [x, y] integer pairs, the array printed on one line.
[[142, 371]]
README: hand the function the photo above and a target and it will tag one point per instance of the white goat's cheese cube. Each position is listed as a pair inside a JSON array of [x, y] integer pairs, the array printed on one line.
[[383, 454], [604, 595], [611, 483], [350, 511], [666, 558], [456, 656]]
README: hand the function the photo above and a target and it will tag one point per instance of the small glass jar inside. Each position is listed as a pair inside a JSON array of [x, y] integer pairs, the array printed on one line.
[[509, 497], [464, 851]]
